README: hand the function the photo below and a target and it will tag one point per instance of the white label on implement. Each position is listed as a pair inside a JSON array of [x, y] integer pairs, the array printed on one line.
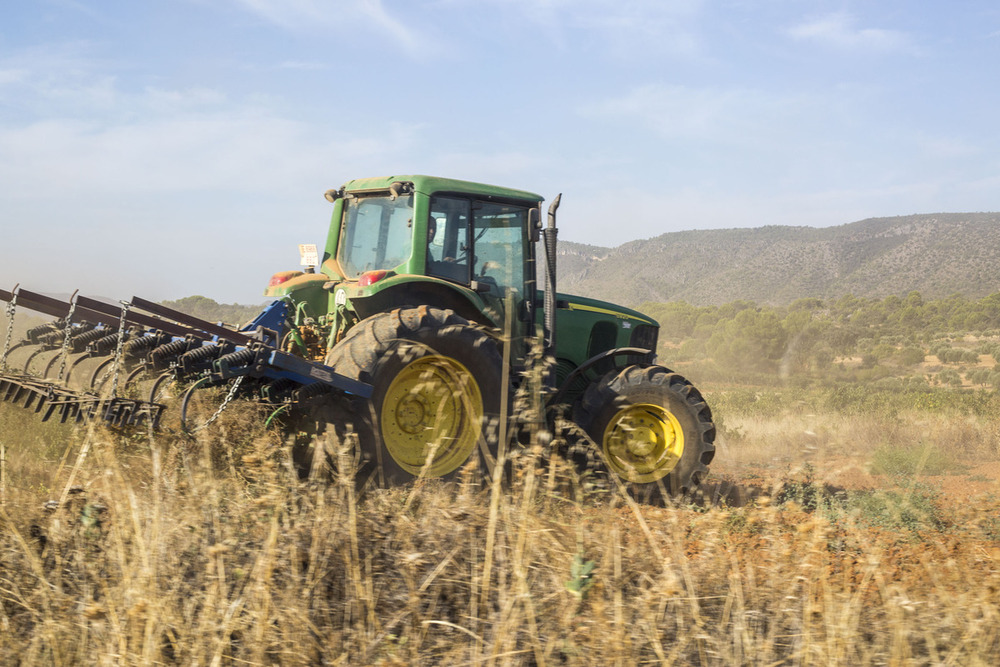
[[340, 298], [320, 374], [308, 254]]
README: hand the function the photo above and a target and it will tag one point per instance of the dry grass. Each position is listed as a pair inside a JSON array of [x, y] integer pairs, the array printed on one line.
[[166, 552], [792, 435]]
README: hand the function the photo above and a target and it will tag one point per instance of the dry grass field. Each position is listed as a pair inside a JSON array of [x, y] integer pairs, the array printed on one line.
[[823, 536]]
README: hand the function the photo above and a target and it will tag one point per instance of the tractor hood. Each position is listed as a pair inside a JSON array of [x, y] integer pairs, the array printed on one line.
[[583, 304]]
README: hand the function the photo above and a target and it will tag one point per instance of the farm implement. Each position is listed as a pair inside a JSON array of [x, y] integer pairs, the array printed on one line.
[[116, 363], [424, 314]]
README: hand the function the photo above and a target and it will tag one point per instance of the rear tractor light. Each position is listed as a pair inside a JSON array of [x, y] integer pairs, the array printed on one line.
[[371, 277], [282, 277]]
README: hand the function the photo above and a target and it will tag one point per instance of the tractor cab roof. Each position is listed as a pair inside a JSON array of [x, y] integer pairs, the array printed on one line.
[[431, 184]]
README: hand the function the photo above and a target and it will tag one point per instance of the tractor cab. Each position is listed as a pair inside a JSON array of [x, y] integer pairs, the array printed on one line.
[[403, 241]]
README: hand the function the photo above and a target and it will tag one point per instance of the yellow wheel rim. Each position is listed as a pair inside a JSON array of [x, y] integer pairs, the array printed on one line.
[[643, 442], [431, 416]]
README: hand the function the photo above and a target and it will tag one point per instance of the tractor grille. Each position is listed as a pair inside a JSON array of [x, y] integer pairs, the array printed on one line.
[[645, 336]]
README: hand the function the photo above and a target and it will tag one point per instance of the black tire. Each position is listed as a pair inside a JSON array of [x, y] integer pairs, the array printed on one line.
[[649, 426], [437, 382]]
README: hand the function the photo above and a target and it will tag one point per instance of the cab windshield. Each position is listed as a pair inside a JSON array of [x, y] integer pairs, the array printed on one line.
[[376, 234]]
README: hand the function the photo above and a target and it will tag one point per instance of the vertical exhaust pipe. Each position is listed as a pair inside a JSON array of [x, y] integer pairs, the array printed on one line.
[[549, 235]]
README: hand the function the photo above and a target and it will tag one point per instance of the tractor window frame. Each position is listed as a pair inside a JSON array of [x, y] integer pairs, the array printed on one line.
[[392, 234], [448, 248], [465, 213], [499, 255]]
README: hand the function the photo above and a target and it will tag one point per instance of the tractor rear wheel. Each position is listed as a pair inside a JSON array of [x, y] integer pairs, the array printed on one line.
[[437, 387], [652, 427]]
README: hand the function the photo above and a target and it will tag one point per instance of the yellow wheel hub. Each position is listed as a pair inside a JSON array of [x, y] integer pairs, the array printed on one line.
[[643, 442], [432, 410]]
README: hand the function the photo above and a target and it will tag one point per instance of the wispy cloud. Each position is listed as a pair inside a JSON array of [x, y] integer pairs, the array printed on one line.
[[712, 115], [839, 30], [166, 173], [302, 65], [620, 26], [307, 15], [84, 130]]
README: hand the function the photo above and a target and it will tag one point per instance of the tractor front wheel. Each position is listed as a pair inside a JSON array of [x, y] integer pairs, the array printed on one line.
[[652, 428], [437, 386]]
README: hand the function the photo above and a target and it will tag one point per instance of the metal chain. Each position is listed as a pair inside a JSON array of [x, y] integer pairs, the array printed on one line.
[[69, 332], [229, 397], [118, 348], [11, 309]]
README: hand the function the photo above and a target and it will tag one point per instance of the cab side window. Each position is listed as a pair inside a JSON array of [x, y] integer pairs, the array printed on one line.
[[498, 235], [448, 239]]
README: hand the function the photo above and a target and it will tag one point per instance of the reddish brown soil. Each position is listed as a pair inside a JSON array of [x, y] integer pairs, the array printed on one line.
[[738, 486]]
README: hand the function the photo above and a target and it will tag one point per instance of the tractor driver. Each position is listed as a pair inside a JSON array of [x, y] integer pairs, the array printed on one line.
[[440, 237]]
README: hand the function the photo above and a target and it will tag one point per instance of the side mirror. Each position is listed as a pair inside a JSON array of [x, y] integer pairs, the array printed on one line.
[[534, 224], [398, 188], [481, 287]]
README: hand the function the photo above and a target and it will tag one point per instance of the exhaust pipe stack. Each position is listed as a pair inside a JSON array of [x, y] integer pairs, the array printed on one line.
[[549, 235]]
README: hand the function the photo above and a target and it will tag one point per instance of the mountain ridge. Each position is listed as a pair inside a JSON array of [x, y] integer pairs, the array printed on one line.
[[936, 254]]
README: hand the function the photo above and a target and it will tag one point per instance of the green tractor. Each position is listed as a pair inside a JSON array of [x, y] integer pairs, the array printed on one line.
[[427, 290]]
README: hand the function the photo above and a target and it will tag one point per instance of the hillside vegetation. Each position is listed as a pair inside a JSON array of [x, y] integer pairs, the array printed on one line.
[[209, 309], [907, 341], [935, 254]]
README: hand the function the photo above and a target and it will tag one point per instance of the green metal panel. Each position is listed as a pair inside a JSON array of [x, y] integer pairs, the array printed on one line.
[[428, 185], [351, 292], [576, 317], [305, 289], [329, 264]]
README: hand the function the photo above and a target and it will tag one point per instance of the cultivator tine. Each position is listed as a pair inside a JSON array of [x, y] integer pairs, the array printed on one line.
[[51, 400], [25, 392], [12, 391]]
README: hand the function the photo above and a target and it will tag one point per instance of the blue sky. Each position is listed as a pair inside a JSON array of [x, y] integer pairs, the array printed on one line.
[[177, 147]]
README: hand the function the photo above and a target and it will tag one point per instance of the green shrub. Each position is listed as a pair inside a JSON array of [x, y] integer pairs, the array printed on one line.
[[910, 356], [915, 510], [924, 459]]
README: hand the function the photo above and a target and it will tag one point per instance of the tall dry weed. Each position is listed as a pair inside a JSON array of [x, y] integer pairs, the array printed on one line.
[[161, 552]]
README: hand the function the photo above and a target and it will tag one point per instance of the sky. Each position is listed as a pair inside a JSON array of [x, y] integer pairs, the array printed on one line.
[[167, 148]]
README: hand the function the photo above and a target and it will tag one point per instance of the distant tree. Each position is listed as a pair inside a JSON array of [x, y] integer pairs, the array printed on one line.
[[914, 300], [752, 340], [677, 319], [949, 376], [910, 356], [205, 308]]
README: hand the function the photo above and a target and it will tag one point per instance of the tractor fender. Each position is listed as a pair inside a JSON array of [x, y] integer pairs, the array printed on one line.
[[636, 352], [286, 282], [422, 291]]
